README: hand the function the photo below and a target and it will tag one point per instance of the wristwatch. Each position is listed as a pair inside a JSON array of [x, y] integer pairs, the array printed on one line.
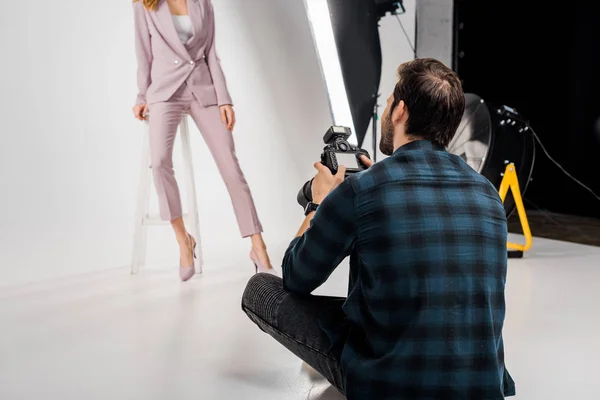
[[310, 207]]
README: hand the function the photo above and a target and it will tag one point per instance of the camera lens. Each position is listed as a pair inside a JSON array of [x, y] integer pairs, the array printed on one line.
[[305, 194], [343, 146]]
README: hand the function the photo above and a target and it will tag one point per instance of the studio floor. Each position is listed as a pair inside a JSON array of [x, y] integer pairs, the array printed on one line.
[[121, 337]]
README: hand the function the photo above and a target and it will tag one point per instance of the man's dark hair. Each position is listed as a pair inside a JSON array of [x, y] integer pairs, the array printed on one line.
[[434, 97]]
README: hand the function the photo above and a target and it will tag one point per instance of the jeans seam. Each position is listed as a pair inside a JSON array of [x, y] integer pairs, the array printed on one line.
[[291, 338]]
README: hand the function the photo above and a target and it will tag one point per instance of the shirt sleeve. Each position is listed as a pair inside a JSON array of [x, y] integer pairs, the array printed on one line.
[[311, 258]]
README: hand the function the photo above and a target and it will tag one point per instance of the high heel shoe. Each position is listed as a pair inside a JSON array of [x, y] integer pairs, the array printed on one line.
[[186, 273], [259, 267]]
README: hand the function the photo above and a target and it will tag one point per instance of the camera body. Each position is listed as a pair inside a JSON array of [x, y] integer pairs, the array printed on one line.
[[337, 152]]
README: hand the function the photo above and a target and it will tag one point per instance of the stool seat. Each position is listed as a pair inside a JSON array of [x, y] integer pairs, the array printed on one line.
[[143, 219]]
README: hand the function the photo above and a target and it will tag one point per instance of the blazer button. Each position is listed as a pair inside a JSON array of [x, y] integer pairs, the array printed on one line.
[[176, 61], [191, 63]]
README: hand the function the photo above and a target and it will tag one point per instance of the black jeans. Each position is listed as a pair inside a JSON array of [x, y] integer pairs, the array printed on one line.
[[295, 322]]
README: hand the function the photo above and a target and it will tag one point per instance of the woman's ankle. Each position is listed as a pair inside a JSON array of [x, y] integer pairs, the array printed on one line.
[[184, 241], [257, 242]]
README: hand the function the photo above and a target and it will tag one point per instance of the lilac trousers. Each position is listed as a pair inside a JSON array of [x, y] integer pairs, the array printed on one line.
[[164, 121]]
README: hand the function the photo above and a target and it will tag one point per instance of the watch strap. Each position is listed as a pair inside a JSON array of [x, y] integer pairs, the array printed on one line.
[[310, 207]]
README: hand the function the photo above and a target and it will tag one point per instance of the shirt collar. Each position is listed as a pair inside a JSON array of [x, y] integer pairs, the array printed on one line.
[[419, 145]]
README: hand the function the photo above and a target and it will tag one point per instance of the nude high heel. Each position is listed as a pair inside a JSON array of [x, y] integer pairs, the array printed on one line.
[[259, 267], [186, 273]]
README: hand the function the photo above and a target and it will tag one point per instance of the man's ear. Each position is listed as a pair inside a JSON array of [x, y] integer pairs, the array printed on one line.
[[399, 113]]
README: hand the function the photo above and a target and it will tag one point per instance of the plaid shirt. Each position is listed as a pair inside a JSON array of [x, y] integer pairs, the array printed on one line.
[[426, 236]]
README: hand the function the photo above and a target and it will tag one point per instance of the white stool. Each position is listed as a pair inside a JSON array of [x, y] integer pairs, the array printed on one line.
[[144, 219]]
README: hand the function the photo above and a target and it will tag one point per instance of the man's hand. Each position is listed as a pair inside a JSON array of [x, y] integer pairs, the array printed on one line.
[[366, 160], [325, 181]]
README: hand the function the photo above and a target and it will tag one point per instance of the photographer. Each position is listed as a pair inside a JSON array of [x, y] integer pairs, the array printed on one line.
[[426, 236]]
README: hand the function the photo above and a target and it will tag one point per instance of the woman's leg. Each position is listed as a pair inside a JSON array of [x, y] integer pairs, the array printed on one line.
[[220, 143], [164, 119]]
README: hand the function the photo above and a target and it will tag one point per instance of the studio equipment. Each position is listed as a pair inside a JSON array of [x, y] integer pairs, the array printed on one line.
[[497, 142], [337, 152], [346, 34]]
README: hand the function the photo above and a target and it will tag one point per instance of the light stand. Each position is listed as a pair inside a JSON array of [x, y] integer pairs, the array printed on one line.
[[374, 131], [383, 8]]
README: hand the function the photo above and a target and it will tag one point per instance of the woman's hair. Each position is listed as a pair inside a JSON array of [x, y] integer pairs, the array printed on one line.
[[151, 5]]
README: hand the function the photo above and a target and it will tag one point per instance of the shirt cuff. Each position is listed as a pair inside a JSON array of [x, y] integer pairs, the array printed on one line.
[[293, 242], [285, 257]]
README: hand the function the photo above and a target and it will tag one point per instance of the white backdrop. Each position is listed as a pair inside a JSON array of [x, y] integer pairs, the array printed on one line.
[[69, 159]]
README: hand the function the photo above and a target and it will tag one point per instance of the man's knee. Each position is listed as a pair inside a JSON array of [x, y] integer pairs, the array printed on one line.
[[263, 295]]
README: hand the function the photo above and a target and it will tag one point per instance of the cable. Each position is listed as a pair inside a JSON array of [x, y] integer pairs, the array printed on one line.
[[560, 166], [405, 34], [397, 15], [546, 214]]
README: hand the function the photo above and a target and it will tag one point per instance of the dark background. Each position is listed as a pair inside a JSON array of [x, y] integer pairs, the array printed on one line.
[[543, 61]]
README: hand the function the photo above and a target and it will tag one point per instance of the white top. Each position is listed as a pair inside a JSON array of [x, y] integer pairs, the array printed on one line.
[[183, 26]]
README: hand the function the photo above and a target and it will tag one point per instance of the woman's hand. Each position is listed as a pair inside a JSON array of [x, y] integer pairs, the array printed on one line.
[[228, 116], [140, 111]]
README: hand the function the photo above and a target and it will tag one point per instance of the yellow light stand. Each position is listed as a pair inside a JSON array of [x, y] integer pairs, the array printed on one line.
[[511, 182]]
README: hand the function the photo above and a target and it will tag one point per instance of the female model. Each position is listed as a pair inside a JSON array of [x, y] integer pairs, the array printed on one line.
[[179, 72]]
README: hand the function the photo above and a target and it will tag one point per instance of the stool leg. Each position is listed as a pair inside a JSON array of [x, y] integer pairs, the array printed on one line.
[[191, 190], [139, 238]]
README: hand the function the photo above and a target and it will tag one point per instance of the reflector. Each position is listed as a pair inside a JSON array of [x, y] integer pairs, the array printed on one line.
[[490, 137]]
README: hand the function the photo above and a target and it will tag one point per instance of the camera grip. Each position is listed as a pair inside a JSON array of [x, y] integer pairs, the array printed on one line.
[[362, 152], [329, 161]]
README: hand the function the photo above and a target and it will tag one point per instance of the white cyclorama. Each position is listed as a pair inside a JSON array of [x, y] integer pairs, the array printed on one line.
[[322, 31], [70, 168]]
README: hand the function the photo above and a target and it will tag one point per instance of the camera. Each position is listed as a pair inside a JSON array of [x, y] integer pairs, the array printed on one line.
[[337, 152]]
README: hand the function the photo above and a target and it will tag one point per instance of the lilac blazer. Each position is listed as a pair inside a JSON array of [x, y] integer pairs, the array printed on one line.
[[164, 63]]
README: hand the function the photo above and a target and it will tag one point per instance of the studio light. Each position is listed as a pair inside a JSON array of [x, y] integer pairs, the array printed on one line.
[[489, 138], [346, 35], [322, 31]]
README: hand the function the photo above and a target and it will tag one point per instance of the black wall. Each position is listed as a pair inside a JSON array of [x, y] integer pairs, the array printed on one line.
[[545, 62]]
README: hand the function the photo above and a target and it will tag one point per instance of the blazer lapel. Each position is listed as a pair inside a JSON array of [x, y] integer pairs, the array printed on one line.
[[167, 28], [196, 10]]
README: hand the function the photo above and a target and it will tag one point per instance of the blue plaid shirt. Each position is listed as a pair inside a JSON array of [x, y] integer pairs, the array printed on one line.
[[426, 236]]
